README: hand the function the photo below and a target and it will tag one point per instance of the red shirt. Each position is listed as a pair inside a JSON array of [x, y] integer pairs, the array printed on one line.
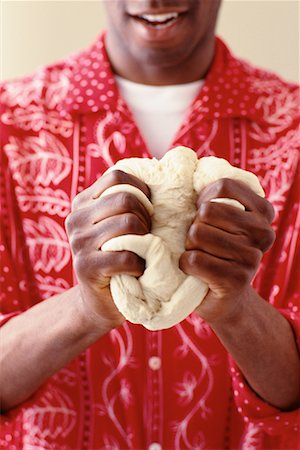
[[136, 389]]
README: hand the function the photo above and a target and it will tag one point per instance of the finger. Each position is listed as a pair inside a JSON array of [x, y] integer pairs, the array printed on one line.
[[120, 225], [113, 263], [235, 221], [120, 203], [120, 188], [237, 190], [99, 265], [94, 237], [200, 264], [109, 206], [118, 177], [221, 244], [110, 179], [214, 271]]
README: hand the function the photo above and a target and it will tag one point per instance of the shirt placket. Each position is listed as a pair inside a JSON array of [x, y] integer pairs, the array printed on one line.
[[154, 402]]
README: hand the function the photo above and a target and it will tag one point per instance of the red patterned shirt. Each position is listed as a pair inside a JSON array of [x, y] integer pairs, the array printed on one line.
[[61, 128]]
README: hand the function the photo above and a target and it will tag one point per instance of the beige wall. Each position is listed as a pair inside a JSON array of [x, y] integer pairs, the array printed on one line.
[[34, 33]]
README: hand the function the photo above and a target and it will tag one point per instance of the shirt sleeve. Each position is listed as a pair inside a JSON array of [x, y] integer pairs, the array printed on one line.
[[10, 286], [16, 286], [279, 283], [15, 290], [253, 409], [14, 300], [13, 283]]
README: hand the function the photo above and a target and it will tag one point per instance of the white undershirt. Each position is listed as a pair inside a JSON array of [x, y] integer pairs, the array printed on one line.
[[158, 110]]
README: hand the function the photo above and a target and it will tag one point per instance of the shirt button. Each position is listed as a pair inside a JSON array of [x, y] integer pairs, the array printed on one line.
[[154, 446], [154, 364]]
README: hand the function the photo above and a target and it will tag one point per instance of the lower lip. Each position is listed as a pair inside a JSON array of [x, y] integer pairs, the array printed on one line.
[[158, 33]]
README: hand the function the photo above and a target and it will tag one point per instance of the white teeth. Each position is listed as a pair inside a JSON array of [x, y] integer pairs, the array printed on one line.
[[159, 17]]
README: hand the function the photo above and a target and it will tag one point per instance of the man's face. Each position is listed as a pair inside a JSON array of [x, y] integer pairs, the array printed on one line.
[[162, 32]]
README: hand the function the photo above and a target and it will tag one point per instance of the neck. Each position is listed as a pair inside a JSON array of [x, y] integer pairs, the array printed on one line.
[[192, 68]]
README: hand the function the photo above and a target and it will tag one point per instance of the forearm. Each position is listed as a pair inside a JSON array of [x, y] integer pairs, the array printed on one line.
[[37, 343], [263, 345]]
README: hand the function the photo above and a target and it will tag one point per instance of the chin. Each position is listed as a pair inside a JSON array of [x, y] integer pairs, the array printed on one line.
[[163, 57]]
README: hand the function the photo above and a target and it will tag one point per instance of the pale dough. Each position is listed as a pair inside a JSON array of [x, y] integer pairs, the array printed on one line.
[[163, 296]]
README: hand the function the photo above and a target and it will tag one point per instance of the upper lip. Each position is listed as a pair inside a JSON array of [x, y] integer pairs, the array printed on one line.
[[152, 11]]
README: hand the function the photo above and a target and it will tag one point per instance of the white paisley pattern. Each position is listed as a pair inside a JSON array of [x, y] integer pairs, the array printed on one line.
[[252, 437], [134, 389], [49, 286], [49, 248], [125, 349], [39, 159], [186, 390], [52, 417], [35, 118], [55, 84], [279, 105], [278, 162], [46, 200]]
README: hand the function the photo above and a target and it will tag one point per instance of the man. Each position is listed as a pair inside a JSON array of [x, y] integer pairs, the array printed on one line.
[[74, 374]]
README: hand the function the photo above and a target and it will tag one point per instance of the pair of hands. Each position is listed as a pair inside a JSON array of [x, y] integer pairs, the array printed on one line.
[[224, 245]]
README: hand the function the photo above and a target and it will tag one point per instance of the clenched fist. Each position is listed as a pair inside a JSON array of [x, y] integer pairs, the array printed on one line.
[[225, 245], [92, 222]]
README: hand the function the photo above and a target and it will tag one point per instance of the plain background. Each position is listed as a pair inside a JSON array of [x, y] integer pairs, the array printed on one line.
[[34, 33]]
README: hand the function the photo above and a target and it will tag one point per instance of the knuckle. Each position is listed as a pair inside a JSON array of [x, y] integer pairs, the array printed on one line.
[[264, 237], [223, 186], [183, 261], [77, 242], [126, 259], [127, 201], [69, 223], [272, 236], [118, 176], [197, 235], [193, 233], [252, 257], [193, 259], [77, 220], [72, 222], [256, 257], [132, 223], [79, 265], [205, 212], [77, 201], [270, 211], [267, 239]]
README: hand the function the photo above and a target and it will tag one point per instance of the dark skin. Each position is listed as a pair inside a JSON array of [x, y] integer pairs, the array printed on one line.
[[182, 55], [224, 245], [68, 323], [94, 221]]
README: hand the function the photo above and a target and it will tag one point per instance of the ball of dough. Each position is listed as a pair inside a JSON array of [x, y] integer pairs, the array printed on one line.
[[163, 296]]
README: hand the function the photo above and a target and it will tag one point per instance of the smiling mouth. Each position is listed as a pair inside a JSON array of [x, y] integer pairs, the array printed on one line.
[[159, 20]]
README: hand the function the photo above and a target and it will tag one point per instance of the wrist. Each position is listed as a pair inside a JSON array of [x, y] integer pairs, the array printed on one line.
[[97, 321], [229, 312]]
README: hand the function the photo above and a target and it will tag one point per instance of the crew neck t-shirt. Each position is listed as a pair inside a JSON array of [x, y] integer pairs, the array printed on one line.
[[158, 110]]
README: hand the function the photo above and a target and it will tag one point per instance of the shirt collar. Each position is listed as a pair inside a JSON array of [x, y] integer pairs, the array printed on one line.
[[92, 86], [231, 88]]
